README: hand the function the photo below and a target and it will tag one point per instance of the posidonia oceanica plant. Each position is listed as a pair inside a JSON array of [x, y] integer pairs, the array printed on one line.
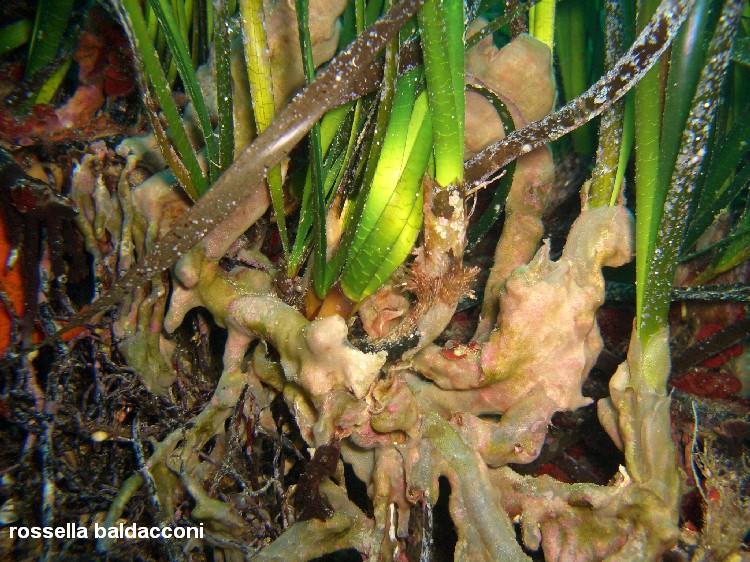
[[381, 143]]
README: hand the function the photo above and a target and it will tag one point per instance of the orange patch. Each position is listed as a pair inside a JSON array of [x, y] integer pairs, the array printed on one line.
[[11, 284]]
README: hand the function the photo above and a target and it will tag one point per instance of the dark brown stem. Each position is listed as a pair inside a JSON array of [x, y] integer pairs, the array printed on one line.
[[518, 23], [695, 354]]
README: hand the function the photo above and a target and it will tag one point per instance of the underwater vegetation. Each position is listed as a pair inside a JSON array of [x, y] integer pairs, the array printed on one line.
[[396, 280]]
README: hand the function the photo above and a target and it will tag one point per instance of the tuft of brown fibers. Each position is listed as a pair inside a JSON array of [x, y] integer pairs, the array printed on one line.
[[448, 288]]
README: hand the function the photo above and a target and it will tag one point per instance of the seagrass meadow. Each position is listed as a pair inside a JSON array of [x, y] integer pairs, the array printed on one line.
[[386, 280]]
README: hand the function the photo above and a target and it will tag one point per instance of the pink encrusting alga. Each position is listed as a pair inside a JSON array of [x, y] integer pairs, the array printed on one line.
[[520, 74], [528, 370]]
